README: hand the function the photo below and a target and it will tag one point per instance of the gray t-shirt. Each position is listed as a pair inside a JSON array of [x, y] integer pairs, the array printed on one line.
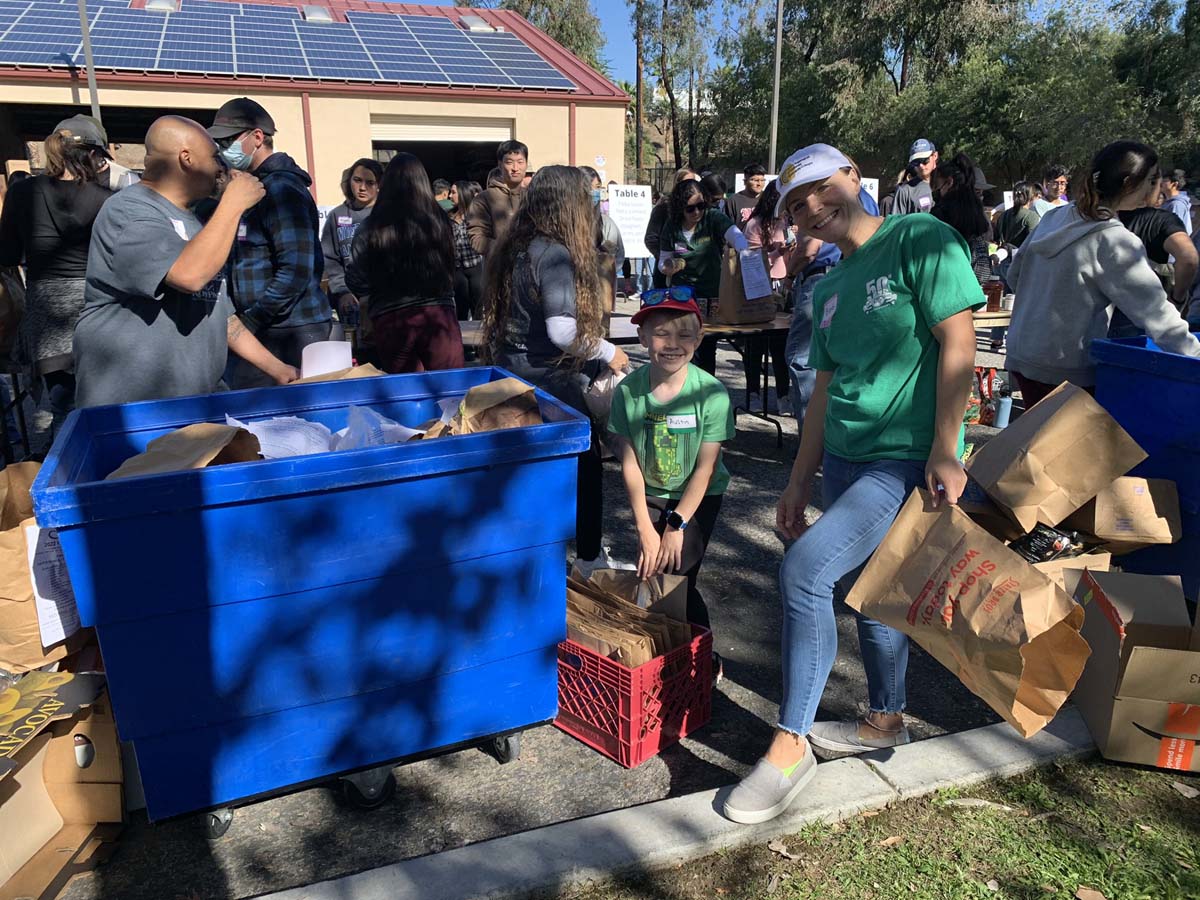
[[543, 286], [138, 339], [913, 198]]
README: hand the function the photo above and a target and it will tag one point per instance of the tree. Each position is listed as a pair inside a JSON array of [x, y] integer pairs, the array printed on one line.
[[571, 23]]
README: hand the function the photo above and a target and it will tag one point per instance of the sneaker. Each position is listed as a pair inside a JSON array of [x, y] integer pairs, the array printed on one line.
[[767, 791], [785, 406], [843, 737]]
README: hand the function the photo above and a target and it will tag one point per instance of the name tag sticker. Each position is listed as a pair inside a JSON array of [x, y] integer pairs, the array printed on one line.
[[924, 202], [180, 230], [828, 311], [681, 423], [682, 249], [241, 231], [345, 220]]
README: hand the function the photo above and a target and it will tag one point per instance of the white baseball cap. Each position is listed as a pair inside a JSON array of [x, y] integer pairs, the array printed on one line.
[[816, 162]]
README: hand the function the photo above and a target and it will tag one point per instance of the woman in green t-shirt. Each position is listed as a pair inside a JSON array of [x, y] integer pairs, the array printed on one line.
[[691, 246], [894, 350]]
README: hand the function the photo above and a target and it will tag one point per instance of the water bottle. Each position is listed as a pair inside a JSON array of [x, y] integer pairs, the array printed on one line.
[[1003, 410]]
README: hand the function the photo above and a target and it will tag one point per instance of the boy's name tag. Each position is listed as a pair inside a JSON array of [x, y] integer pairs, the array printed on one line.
[[681, 423]]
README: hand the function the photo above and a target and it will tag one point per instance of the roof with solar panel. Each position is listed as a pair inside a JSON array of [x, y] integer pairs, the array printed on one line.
[[346, 41]]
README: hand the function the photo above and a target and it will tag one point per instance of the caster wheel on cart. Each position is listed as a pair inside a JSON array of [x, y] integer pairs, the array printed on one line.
[[364, 792], [505, 748], [217, 822]]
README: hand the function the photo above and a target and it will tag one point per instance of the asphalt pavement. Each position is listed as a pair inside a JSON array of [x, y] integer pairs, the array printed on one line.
[[468, 797]]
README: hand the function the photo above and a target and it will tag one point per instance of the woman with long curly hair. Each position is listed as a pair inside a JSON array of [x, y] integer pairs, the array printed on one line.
[[403, 259], [544, 314]]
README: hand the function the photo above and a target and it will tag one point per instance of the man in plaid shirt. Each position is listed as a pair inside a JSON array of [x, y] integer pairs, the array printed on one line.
[[276, 264]]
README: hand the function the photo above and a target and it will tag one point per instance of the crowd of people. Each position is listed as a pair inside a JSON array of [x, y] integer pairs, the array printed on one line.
[[142, 294]]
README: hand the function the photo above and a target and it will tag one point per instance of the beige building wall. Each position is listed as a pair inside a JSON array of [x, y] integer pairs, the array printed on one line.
[[341, 124]]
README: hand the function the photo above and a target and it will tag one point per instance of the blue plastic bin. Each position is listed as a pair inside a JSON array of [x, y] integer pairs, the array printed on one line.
[[272, 623], [1155, 396]]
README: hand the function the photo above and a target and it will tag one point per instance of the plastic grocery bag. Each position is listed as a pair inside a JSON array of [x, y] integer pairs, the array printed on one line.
[[367, 428], [599, 396]]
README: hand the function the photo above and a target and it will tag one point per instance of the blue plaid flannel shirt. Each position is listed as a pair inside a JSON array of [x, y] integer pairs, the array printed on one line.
[[276, 264]]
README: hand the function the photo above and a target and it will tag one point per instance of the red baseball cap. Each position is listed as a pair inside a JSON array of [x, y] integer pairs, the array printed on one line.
[[680, 297]]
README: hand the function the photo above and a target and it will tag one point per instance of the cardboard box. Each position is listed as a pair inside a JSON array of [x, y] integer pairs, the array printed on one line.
[[1066, 572], [1140, 690], [61, 784], [1131, 513], [1054, 458]]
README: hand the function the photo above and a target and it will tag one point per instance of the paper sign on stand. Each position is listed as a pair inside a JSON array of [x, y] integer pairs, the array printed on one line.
[[871, 186], [1008, 200], [755, 280], [629, 206]]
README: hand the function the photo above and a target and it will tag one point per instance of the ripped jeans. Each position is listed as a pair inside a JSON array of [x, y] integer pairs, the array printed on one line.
[[861, 502]]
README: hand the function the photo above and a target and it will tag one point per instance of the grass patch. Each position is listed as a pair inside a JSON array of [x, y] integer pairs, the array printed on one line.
[[1125, 833]]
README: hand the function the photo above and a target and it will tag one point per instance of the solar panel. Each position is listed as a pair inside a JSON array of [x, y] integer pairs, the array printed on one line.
[[214, 37]]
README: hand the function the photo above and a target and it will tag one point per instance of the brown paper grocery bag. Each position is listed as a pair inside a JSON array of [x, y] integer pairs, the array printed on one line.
[[1131, 513], [1006, 630], [666, 594], [192, 447], [1055, 458], [507, 403], [734, 308]]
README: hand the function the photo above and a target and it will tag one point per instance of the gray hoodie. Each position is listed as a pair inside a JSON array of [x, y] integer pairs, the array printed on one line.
[[1068, 276]]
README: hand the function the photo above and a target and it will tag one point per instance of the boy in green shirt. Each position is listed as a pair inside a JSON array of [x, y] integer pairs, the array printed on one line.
[[670, 419]]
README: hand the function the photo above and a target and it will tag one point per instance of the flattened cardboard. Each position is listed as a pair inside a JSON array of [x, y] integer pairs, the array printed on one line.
[[75, 850], [28, 817], [1055, 458], [1140, 691], [37, 700], [1002, 627], [192, 447], [1131, 513], [1066, 572]]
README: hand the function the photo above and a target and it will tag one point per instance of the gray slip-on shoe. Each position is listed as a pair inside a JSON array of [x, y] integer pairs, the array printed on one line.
[[843, 737], [767, 791]]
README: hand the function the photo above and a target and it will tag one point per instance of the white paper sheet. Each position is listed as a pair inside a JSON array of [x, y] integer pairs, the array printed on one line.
[[755, 279], [287, 436], [58, 617]]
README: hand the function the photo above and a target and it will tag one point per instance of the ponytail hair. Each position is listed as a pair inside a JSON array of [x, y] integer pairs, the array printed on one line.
[[1119, 169], [1023, 193], [66, 156], [956, 203]]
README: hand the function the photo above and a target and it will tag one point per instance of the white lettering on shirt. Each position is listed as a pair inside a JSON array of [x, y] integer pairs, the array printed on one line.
[[879, 294]]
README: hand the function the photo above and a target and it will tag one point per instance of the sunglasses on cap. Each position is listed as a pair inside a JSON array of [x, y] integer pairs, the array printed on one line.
[[680, 293]]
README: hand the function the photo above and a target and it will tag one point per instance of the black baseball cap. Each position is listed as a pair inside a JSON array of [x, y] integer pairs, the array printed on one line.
[[238, 116], [86, 131]]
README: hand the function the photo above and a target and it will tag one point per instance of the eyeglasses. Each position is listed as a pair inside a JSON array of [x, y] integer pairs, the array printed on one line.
[[695, 207], [680, 293], [1062, 182]]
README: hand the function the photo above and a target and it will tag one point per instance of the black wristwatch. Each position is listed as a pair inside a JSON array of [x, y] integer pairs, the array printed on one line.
[[676, 521]]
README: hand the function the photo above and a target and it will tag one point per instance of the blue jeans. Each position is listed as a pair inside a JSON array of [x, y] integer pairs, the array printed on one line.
[[799, 340], [861, 502], [645, 278]]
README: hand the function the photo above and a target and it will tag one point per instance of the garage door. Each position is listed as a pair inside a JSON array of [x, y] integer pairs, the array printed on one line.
[[440, 128]]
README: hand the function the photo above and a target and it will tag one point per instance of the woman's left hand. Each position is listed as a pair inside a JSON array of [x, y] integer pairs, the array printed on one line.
[[670, 552], [945, 478]]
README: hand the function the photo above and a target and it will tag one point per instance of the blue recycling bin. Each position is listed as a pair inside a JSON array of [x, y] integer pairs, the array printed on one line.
[[278, 622], [1155, 396]]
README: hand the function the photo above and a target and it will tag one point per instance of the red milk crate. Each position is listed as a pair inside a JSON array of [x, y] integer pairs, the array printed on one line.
[[630, 715]]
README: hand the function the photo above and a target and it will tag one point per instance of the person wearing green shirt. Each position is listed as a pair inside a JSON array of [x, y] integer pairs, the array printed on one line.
[[670, 419], [691, 246], [894, 351]]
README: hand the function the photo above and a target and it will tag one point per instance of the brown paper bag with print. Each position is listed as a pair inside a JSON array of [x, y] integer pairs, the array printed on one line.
[[1005, 629], [507, 403]]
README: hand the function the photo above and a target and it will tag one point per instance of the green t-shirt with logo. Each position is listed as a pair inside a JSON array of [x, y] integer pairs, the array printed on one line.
[[872, 316], [702, 253], [667, 437]]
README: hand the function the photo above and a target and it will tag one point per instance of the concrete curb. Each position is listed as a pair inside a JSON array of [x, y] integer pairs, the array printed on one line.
[[681, 828]]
